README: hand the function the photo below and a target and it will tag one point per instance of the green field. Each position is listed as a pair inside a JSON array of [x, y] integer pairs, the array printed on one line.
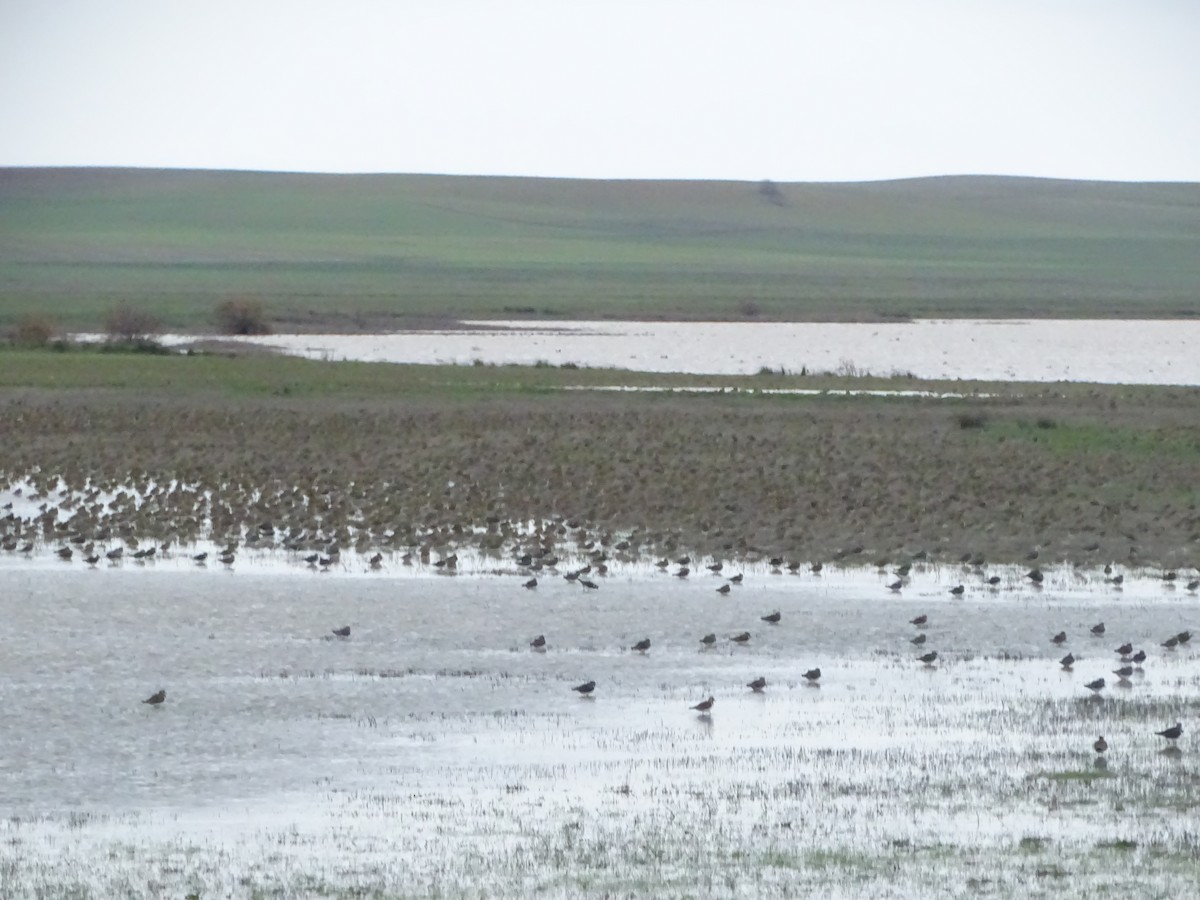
[[377, 251]]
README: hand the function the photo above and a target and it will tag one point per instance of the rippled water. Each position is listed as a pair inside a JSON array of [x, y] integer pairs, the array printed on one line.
[[1107, 351], [433, 752]]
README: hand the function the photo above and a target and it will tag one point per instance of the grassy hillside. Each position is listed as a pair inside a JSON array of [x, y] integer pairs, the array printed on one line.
[[368, 251]]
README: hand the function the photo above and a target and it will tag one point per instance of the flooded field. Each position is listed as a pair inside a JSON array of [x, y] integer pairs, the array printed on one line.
[[1100, 351], [434, 753]]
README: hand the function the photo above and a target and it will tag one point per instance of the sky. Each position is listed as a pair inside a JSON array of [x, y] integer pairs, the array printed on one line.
[[794, 90]]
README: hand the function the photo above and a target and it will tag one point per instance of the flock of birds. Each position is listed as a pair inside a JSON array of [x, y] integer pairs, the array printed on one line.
[[1131, 660]]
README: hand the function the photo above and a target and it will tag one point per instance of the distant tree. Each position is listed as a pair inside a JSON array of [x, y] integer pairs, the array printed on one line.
[[242, 315], [770, 192], [126, 324]]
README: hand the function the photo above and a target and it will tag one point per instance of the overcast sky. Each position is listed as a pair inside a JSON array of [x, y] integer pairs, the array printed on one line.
[[711, 89]]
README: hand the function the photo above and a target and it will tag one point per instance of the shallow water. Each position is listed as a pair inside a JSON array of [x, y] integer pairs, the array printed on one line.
[[1102, 351], [433, 752]]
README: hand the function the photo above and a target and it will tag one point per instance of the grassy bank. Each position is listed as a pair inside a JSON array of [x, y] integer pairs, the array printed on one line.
[[372, 252], [409, 455]]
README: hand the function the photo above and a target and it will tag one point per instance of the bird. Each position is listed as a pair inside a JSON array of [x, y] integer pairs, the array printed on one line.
[[737, 579], [92, 560], [1138, 658], [919, 639], [1170, 643], [586, 688], [589, 585], [773, 618], [1101, 745], [311, 559], [1174, 733], [1125, 649], [1060, 638], [1194, 585], [993, 580], [724, 589], [539, 642], [1035, 575], [958, 590], [757, 685], [1118, 580], [641, 646], [683, 572], [928, 658], [918, 621], [716, 567], [895, 586], [116, 554], [1067, 661], [156, 699], [708, 640], [200, 557], [65, 552], [1183, 637], [1124, 672], [344, 631], [813, 676], [741, 638], [704, 706], [1096, 686], [530, 584], [1098, 629]]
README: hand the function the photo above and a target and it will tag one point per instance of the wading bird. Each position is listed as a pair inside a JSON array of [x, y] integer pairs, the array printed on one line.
[[704, 706], [1101, 745], [343, 632], [813, 676], [1174, 733], [757, 685], [539, 642], [585, 689], [641, 646], [1060, 638], [773, 618], [156, 699]]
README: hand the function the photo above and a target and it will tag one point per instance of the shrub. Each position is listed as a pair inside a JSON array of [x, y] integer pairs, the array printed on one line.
[[34, 330], [242, 315], [126, 324]]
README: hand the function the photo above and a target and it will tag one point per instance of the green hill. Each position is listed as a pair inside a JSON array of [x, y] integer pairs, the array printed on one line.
[[371, 250]]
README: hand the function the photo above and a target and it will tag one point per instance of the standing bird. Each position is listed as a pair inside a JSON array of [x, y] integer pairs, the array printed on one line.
[[641, 646], [1101, 745], [737, 579], [156, 699], [530, 584], [895, 586], [918, 640], [1095, 686], [1060, 638], [741, 638], [918, 621], [1098, 629], [1124, 672], [708, 640], [539, 642], [1138, 658], [1067, 661], [773, 618], [724, 589], [812, 676], [757, 685], [1035, 575], [993, 580], [704, 706], [683, 572], [958, 590], [584, 689], [1174, 733], [343, 632], [928, 658], [1125, 649]]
